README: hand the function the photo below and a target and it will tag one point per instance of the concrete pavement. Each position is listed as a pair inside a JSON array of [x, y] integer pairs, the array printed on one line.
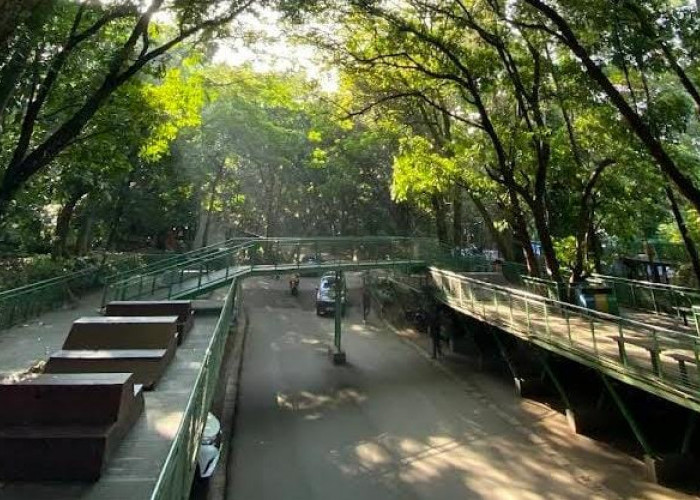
[[389, 425]]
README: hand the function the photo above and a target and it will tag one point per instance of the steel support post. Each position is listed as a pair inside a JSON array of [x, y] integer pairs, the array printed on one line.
[[543, 358], [689, 431], [338, 354], [638, 434]]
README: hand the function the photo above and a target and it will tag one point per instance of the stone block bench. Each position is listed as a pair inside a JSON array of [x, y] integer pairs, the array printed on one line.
[[122, 332], [64, 426], [147, 365], [180, 308]]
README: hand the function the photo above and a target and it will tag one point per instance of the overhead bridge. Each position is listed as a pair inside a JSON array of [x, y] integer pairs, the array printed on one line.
[[634, 352]]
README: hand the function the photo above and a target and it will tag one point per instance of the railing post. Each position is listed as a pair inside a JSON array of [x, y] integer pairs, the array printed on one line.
[[595, 342], [527, 315], [655, 355], [567, 317], [653, 299], [623, 349], [510, 307]]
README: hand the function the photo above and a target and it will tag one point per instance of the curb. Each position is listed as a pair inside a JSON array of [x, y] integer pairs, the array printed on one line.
[[218, 484]]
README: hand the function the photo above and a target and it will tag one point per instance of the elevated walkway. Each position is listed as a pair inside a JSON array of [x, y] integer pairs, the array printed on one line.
[[634, 352]]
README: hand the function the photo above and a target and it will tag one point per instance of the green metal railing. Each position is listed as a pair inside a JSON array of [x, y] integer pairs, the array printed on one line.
[[167, 261], [21, 303], [544, 287], [178, 470], [270, 255], [261, 256], [637, 353], [512, 271], [654, 297]]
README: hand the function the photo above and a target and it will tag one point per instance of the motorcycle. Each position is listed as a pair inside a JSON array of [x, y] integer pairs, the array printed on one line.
[[294, 285]]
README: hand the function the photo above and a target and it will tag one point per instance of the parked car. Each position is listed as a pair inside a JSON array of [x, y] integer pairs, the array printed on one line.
[[326, 294], [209, 448]]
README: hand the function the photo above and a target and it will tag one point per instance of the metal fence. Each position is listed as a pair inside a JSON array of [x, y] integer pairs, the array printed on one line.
[[178, 470], [270, 254], [654, 297], [21, 303], [660, 360]]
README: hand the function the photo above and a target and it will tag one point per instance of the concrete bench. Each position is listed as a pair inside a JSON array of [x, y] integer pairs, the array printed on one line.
[[650, 345], [122, 332], [180, 308], [147, 365], [682, 360], [64, 427], [683, 312]]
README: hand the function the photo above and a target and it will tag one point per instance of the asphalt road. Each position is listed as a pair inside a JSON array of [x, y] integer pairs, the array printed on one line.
[[390, 424]]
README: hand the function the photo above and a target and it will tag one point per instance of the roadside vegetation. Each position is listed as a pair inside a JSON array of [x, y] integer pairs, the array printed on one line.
[[558, 133]]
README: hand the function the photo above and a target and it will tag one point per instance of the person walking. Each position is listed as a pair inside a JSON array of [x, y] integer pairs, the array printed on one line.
[[435, 330], [366, 299]]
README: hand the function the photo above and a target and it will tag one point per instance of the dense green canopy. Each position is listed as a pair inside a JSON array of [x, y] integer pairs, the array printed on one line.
[[550, 131]]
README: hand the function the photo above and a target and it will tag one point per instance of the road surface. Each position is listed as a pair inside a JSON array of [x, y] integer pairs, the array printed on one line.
[[390, 424]]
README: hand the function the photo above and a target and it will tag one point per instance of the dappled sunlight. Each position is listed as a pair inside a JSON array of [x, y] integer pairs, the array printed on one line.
[[371, 455], [306, 400], [165, 424], [490, 467]]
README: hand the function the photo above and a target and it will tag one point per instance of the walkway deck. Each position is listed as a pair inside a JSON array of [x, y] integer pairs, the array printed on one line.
[[132, 471], [585, 336]]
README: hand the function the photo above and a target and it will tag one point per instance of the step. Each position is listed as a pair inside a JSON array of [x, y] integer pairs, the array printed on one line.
[[180, 308], [38, 442], [147, 365], [121, 332]]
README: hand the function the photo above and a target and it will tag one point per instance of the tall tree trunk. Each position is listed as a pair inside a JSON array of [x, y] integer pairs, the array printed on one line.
[[440, 218], [685, 234], [521, 233], [503, 247], [656, 149], [84, 238], [457, 217], [120, 204], [593, 246], [539, 213], [63, 225], [212, 197]]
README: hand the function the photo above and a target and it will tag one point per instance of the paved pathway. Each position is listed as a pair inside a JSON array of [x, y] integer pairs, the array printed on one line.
[[390, 424], [33, 340]]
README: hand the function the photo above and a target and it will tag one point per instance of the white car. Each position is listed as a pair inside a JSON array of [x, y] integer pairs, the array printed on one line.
[[325, 294], [209, 448]]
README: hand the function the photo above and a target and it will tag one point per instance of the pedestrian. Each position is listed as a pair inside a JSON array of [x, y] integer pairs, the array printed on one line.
[[366, 300], [435, 330]]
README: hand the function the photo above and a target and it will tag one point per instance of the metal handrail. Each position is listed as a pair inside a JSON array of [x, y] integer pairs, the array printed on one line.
[[268, 248], [175, 259], [21, 303], [178, 470], [577, 331], [656, 297], [647, 284]]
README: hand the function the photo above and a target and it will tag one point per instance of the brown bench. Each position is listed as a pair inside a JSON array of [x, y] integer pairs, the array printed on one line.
[[650, 345], [122, 332], [180, 308], [147, 365], [683, 312], [64, 427], [682, 360]]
